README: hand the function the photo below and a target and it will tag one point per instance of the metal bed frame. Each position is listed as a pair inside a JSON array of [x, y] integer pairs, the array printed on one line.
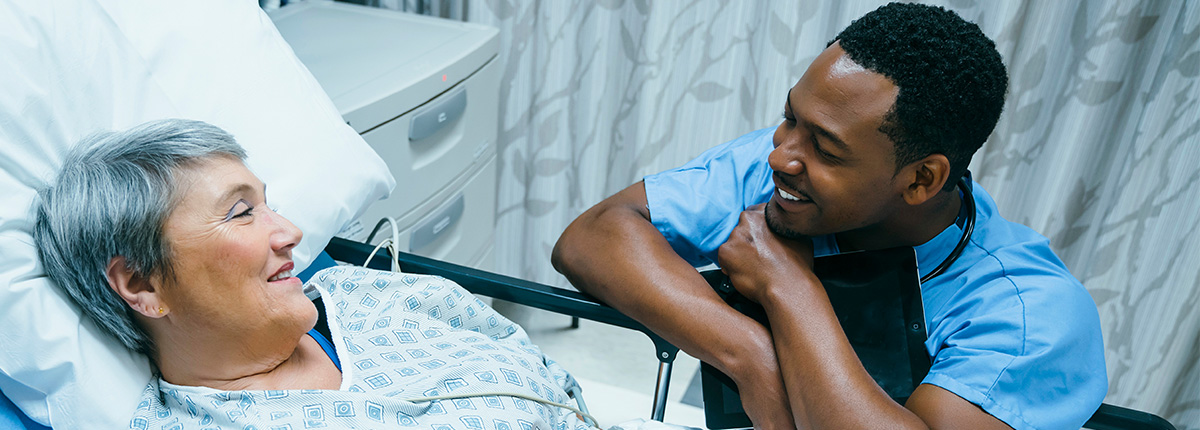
[[579, 305]]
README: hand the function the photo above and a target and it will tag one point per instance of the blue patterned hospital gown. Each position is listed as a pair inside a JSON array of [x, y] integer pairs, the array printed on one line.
[[399, 337]]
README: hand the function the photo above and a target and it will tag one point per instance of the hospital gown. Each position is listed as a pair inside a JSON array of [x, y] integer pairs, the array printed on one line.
[[399, 337]]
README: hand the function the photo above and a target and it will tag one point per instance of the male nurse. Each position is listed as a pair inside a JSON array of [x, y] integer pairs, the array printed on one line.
[[875, 137]]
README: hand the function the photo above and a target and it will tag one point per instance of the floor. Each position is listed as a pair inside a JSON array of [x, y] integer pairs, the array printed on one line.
[[616, 367]]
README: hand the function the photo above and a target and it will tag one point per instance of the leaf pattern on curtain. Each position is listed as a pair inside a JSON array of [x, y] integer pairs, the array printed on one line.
[[1099, 147], [1109, 169]]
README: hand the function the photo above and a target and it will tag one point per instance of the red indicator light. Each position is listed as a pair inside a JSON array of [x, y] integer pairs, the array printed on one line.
[[443, 78]]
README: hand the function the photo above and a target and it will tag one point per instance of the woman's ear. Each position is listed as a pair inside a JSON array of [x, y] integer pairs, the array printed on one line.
[[137, 290], [927, 177]]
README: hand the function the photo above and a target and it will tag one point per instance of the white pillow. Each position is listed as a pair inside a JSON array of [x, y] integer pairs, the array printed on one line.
[[71, 68]]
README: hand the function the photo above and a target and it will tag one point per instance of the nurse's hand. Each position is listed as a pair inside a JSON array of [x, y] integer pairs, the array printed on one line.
[[755, 258]]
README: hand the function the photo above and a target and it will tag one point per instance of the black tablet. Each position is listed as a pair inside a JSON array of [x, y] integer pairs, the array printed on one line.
[[877, 298]]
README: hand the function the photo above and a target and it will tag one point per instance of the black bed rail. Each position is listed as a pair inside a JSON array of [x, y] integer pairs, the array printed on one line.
[[573, 303], [1113, 417], [541, 296]]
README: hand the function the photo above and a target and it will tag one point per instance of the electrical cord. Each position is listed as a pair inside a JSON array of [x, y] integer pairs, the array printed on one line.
[[390, 243], [588, 418]]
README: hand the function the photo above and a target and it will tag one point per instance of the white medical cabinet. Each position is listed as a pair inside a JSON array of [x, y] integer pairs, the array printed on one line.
[[423, 92]]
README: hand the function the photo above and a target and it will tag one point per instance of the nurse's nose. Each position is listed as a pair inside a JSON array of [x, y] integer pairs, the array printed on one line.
[[787, 157]]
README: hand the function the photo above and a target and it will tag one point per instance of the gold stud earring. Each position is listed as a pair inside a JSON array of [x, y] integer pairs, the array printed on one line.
[[160, 310]]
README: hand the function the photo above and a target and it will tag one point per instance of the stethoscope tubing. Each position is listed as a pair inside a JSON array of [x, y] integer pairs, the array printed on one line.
[[968, 228]]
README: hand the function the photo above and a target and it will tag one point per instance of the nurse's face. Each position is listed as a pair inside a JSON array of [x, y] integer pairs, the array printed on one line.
[[834, 170], [231, 258]]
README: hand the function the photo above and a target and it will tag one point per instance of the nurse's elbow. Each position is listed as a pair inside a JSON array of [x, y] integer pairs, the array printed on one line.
[[581, 239], [566, 253], [558, 257], [600, 233]]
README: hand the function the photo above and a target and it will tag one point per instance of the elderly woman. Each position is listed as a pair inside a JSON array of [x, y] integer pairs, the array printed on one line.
[[164, 238]]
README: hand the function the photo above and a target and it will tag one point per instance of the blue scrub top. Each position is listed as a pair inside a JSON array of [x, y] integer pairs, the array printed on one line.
[[1010, 329]]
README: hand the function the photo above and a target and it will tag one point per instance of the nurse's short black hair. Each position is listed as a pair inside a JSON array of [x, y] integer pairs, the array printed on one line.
[[951, 80]]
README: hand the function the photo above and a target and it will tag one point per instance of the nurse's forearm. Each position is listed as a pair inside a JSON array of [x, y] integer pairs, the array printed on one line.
[[826, 383], [614, 253]]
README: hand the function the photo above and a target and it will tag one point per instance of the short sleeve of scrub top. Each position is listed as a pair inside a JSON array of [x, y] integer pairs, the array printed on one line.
[[697, 205], [1010, 329]]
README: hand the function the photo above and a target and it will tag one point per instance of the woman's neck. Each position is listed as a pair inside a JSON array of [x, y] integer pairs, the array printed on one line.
[[242, 367]]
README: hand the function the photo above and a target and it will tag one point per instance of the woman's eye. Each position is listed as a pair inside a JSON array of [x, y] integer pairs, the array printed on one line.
[[240, 209], [788, 119], [244, 213]]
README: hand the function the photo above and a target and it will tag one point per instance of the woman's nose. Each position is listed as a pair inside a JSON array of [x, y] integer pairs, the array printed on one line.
[[286, 236]]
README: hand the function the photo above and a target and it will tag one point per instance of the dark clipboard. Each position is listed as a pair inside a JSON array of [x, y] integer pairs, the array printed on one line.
[[877, 298]]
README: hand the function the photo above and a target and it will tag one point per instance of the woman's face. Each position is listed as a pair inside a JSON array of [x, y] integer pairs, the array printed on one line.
[[231, 258]]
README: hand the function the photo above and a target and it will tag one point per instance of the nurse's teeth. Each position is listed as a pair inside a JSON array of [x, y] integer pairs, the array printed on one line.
[[787, 196]]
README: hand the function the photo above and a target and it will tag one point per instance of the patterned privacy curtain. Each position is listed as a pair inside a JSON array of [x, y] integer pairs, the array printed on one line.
[[1098, 148]]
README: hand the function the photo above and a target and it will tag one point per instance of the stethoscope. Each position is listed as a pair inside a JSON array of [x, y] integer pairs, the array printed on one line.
[[967, 228]]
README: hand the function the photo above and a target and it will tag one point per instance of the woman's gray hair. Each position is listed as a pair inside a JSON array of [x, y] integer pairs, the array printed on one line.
[[111, 198]]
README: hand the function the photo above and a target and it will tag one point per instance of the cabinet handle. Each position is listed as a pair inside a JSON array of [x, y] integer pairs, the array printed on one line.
[[439, 114], [435, 225]]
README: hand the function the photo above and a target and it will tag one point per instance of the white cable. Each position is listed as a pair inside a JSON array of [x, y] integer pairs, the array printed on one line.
[[395, 243], [588, 418], [385, 242], [391, 246], [391, 243]]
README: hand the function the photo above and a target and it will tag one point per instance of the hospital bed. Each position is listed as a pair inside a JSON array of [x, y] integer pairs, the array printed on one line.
[[128, 70], [573, 303]]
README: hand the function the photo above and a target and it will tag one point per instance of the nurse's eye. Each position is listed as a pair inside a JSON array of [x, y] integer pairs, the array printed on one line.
[[821, 151], [239, 210]]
